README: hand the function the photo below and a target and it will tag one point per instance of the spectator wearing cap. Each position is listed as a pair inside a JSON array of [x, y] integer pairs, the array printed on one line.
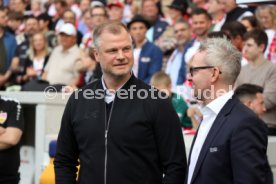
[[70, 17], [177, 10], [60, 67], [116, 11], [158, 26], [147, 56]]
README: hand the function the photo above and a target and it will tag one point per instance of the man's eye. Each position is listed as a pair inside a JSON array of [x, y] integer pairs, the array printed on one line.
[[127, 49], [112, 51]]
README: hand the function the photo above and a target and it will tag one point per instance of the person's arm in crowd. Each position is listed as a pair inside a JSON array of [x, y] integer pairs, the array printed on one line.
[[44, 75], [10, 137], [170, 143], [270, 90], [13, 68]]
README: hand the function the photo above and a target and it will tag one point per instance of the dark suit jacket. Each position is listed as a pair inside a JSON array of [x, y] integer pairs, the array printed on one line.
[[234, 150]]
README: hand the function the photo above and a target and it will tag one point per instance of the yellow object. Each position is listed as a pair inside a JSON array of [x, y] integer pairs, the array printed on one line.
[[48, 175]]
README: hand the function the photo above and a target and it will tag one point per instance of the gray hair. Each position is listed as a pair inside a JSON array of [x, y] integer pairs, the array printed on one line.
[[113, 27], [221, 53]]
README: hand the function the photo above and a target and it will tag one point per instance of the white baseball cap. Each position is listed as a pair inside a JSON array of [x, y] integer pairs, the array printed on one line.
[[68, 29]]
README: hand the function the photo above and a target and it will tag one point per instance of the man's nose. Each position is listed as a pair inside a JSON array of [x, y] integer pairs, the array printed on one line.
[[189, 77], [264, 109], [120, 55]]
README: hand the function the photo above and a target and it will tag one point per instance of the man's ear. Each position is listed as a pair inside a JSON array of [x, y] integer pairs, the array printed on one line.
[[262, 47], [216, 73], [96, 55], [247, 103]]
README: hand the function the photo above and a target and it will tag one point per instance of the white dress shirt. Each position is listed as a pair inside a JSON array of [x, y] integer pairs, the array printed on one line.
[[136, 54], [210, 113], [110, 94], [173, 66]]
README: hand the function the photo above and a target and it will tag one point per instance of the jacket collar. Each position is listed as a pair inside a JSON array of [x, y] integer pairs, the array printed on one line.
[[219, 121]]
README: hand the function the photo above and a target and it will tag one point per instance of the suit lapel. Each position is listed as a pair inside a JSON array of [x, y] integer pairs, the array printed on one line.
[[219, 121]]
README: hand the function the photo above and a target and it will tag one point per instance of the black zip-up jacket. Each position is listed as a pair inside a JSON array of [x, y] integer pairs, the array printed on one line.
[[141, 143]]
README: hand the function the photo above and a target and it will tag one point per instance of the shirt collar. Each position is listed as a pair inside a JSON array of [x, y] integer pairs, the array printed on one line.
[[217, 104], [110, 94]]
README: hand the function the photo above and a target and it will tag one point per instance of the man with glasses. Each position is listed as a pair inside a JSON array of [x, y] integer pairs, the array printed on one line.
[[98, 17], [230, 143]]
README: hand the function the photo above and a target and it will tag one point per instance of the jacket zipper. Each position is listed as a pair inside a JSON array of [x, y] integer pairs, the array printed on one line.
[[105, 137]]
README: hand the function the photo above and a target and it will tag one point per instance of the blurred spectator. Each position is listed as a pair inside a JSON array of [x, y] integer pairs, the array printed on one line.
[[252, 96], [218, 34], [216, 10], [16, 23], [234, 12], [196, 4], [88, 68], [150, 11], [116, 11], [177, 10], [19, 6], [130, 10], [201, 24], [7, 48], [70, 17], [260, 72], [17, 68], [84, 5], [38, 55], [147, 56], [266, 14], [99, 16], [60, 67], [36, 8], [176, 66], [73, 5], [84, 25], [162, 82], [250, 23], [235, 30], [45, 22], [60, 7]]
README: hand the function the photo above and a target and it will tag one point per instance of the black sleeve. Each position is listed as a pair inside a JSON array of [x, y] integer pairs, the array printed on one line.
[[170, 143], [67, 154], [15, 116]]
